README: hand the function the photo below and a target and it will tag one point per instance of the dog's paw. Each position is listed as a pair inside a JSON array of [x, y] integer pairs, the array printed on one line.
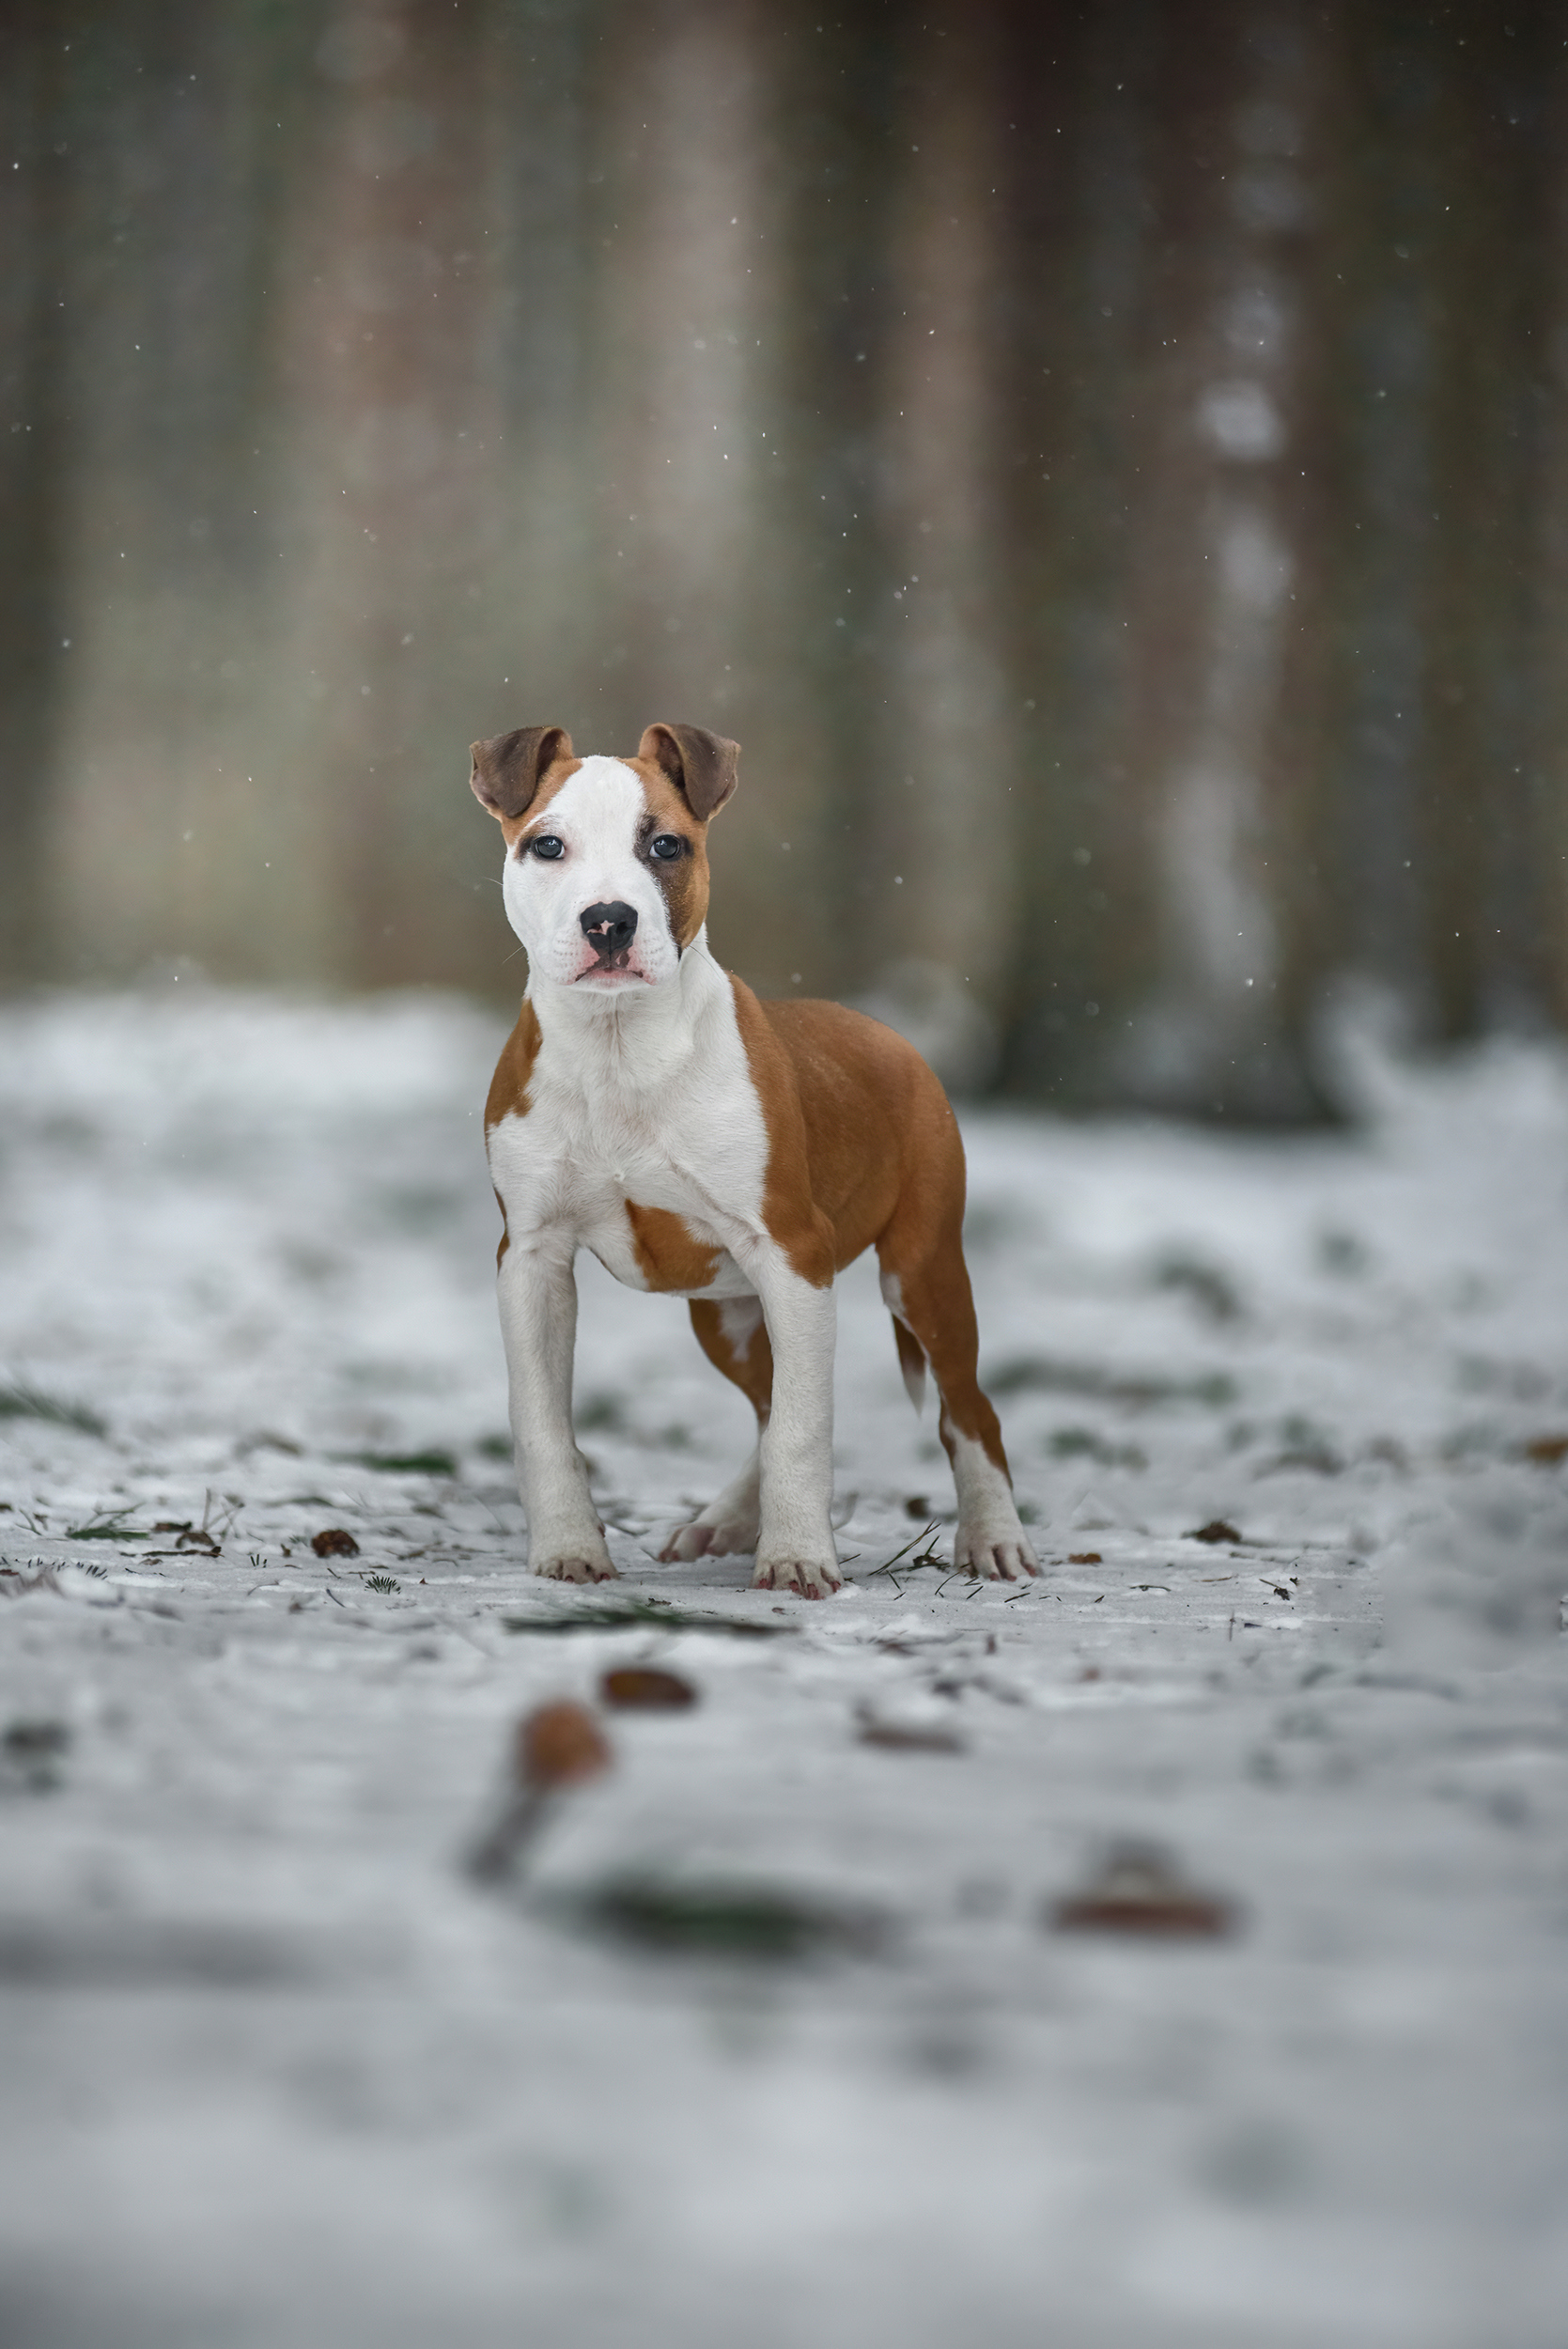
[[808, 1578], [999, 1557], [702, 1540], [578, 1569], [690, 1541]]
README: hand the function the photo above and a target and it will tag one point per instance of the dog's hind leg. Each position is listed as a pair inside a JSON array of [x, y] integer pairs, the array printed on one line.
[[912, 1354], [926, 1282], [734, 1339]]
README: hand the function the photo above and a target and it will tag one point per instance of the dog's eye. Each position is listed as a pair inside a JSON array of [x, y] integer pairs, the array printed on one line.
[[547, 847], [667, 847]]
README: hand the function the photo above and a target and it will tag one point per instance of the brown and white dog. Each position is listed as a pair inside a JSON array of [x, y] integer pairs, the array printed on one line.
[[703, 1143]]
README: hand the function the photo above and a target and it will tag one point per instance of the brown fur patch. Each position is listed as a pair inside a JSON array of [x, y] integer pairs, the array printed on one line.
[[789, 1210], [752, 1371], [684, 885], [554, 779], [508, 1093], [866, 1152], [702, 765], [509, 768], [667, 1254]]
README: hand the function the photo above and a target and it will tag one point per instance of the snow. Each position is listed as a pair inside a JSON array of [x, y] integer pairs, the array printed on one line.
[[279, 2071]]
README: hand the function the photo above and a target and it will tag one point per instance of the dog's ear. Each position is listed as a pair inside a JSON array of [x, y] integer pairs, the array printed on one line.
[[700, 764], [508, 768]]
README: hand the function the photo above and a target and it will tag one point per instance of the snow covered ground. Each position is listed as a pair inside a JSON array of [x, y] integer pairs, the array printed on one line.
[[277, 2071]]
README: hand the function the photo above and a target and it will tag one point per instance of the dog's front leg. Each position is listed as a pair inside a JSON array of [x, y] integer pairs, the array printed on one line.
[[538, 1324], [795, 1539]]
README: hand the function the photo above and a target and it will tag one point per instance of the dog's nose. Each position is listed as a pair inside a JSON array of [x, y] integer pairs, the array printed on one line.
[[610, 929]]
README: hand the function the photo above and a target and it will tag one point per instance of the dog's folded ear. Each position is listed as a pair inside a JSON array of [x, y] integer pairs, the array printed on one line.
[[508, 768], [700, 764]]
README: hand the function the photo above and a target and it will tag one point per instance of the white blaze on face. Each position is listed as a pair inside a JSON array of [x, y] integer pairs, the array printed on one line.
[[596, 816]]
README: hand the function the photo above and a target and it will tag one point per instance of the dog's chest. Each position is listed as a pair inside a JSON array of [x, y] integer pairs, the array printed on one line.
[[677, 1253], [657, 1180]]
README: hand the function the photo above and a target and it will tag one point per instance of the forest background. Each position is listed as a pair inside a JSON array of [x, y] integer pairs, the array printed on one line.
[[1108, 465]]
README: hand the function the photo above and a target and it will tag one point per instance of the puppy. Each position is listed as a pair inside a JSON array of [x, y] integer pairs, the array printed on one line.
[[735, 1153]]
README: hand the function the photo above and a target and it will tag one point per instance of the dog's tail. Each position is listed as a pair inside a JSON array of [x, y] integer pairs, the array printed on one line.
[[911, 1362]]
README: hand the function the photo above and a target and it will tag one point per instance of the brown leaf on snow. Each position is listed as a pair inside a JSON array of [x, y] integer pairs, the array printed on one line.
[[909, 1736], [1141, 1891], [1547, 1451], [644, 1688], [560, 1745], [556, 1746], [1217, 1529], [335, 1541], [1084, 1557]]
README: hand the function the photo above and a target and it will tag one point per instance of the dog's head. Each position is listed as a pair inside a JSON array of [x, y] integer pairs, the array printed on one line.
[[606, 879]]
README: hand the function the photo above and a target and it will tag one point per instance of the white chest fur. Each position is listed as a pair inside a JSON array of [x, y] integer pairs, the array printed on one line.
[[644, 1099]]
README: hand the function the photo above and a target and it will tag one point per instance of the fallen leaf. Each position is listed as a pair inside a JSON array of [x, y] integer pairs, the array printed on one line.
[[1217, 1529], [1138, 1890], [644, 1688], [556, 1746], [334, 1541], [1547, 1451], [1084, 1557], [909, 1736], [560, 1745]]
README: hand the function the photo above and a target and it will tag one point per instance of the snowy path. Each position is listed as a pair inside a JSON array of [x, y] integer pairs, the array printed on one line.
[[277, 2072]]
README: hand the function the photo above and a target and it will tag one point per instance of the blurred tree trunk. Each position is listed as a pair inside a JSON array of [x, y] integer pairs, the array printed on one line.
[[1224, 753], [1383, 393], [1549, 634], [837, 136], [1083, 89], [1484, 262], [700, 551], [1469, 286], [680, 306], [34, 455], [164, 514], [1451, 293], [395, 411], [940, 847]]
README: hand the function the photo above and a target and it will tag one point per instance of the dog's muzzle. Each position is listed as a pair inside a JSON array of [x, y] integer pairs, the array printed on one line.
[[609, 930]]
